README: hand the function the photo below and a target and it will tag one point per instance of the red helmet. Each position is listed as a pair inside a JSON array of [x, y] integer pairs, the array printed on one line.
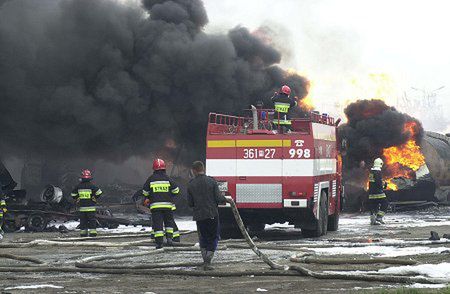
[[159, 164], [86, 174], [285, 90]]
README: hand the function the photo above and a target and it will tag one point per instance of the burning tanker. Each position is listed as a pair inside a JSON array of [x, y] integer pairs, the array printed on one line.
[[375, 129]]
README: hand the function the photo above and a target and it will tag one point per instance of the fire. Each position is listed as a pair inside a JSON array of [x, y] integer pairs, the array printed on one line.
[[372, 85], [306, 103], [403, 160], [391, 186], [375, 86]]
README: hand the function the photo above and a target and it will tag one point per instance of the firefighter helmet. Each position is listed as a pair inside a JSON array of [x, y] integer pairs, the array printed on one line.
[[286, 90], [378, 163], [159, 164], [86, 174]]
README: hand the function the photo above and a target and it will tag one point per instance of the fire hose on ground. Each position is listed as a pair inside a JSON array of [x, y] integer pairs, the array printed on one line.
[[87, 265]]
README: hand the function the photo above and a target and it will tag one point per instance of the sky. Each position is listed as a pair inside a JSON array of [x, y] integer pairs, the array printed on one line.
[[352, 49]]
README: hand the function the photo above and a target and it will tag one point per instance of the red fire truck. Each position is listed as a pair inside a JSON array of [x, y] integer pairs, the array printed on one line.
[[274, 176]]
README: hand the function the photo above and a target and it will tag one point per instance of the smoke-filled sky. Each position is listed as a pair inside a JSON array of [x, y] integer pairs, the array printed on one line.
[[111, 79], [358, 49]]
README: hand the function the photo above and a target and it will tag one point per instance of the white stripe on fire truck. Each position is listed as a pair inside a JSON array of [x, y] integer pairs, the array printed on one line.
[[270, 168], [324, 132]]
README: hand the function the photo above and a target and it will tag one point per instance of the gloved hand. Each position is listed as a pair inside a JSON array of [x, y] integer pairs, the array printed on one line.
[[146, 202], [4, 209]]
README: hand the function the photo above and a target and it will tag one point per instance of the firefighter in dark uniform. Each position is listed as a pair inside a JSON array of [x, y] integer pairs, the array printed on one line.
[[378, 203], [86, 195], [160, 191], [282, 103], [2, 211]]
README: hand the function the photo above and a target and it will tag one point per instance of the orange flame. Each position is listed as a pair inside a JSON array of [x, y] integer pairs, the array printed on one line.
[[403, 160], [306, 103]]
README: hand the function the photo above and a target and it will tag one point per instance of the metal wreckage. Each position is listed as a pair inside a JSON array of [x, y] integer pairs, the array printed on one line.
[[35, 213]]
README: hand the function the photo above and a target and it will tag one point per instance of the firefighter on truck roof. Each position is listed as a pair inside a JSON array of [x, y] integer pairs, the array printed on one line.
[[86, 195], [282, 103], [378, 203], [159, 190]]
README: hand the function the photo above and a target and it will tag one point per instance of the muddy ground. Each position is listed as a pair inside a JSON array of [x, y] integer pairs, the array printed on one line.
[[353, 228]]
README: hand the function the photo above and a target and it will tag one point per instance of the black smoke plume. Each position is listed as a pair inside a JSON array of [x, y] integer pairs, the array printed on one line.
[[107, 80], [371, 127]]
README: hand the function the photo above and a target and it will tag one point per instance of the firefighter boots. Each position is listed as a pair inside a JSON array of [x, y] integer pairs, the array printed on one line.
[[434, 236], [373, 220], [380, 220]]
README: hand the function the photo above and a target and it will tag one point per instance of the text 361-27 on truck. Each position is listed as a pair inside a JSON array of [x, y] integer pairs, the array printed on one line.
[[274, 176]]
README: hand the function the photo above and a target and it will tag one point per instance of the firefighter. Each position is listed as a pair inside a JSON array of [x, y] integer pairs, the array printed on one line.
[[160, 190], [86, 195], [378, 203], [282, 103], [204, 197], [2, 211]]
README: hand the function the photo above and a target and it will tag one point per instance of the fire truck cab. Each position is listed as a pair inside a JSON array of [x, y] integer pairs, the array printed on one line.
[[274, 176]]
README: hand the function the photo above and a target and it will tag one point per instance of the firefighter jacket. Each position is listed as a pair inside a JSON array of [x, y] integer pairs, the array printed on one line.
[[204, 197], [160, 189], [282, 103], [376, 184], [86, 194]]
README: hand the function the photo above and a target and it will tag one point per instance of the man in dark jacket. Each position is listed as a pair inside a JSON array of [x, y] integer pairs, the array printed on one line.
[[378, 203], [86, 195], [282, 104], [204, 197], [159, 190]]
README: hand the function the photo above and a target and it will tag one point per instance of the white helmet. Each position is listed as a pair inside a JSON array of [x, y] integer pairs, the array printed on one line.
[[378, 163]]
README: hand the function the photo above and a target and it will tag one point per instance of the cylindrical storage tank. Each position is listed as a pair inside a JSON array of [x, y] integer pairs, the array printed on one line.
[[436, 149]]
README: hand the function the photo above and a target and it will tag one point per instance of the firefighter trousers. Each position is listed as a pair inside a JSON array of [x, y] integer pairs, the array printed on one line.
[[176, 233], [378, 206], [162, 218], [88, 224]]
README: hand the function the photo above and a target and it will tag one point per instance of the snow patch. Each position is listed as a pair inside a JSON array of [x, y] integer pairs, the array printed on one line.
[[430, 286], [384, 251], [261, 290], [184, 224], [34, 287], [440, 270]]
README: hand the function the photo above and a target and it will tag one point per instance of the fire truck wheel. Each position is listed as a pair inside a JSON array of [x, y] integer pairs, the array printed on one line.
[[322, 223], [36, 223]]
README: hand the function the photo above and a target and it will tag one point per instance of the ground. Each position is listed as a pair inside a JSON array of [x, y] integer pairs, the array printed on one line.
[[400, 231]]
